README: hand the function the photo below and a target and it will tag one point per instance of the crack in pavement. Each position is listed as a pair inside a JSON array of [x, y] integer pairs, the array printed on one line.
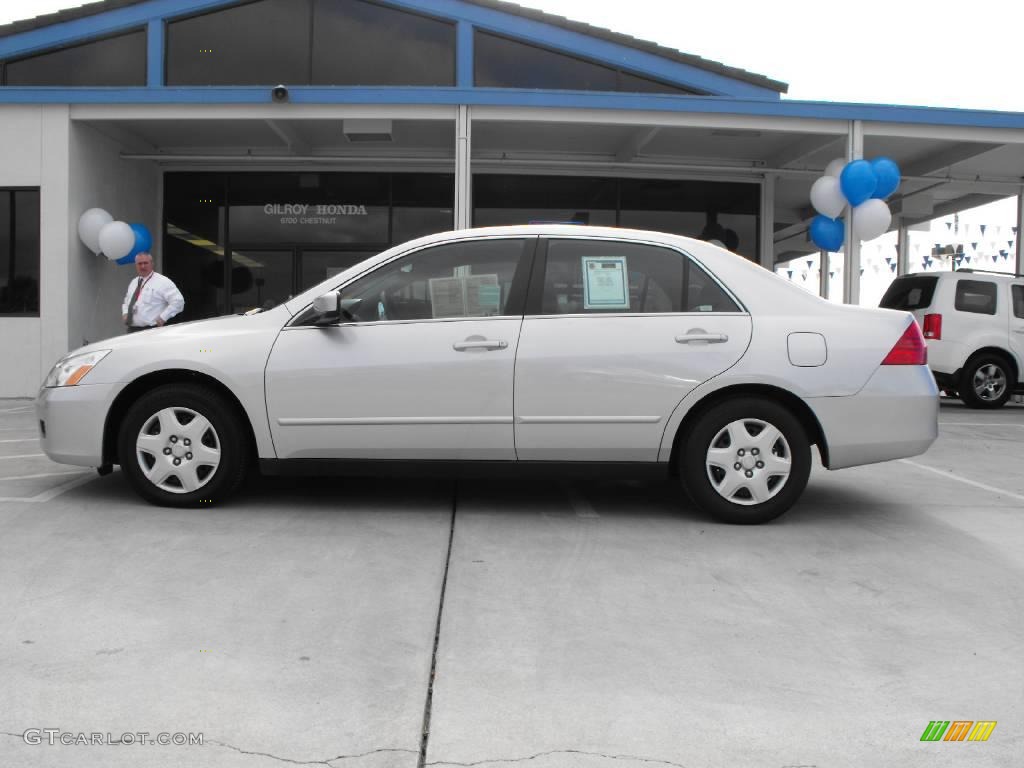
[[327, 762], [560, 752], [15, 735]]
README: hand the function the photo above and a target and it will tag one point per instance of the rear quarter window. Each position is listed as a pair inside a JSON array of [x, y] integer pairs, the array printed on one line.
[[1018, 300], [976, 296], [910, 293]]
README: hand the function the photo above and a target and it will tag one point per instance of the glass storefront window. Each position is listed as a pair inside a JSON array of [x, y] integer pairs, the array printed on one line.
[[708, 210], [505, 200], [260, 43], [501, 62], [19, 252], [287, 231], [111, 61], [361, 43]]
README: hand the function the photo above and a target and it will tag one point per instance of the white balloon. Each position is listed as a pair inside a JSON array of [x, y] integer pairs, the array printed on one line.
[[89, 225], [871, 219], [719, 243], [827, 197], [835, 167], [116, 240]]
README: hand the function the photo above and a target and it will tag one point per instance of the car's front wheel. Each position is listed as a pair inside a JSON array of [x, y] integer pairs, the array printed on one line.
[[182, 445], [986, 382], [745, 460]]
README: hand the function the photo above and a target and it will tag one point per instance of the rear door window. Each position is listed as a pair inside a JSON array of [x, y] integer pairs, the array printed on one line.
[[1018, 301], [977, 296], [910, 293], [602, 276]]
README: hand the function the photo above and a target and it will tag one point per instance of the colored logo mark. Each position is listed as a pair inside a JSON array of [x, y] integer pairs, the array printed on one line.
[[958, 730]]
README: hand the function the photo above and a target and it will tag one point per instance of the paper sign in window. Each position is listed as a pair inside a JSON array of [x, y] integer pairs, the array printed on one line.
[[465, 296], [604, 282]]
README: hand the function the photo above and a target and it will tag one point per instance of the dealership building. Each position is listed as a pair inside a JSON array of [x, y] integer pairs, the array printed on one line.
[[270, 144]]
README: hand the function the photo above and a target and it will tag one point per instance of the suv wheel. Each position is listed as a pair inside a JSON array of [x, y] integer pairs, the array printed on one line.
[[746, 461], [181, 445], [986, 382]]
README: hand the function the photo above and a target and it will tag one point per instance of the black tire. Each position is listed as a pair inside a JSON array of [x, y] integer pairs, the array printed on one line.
[[225, 441], [986, 382], [741, 506]]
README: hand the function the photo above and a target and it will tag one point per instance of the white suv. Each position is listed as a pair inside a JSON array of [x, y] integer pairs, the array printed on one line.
[[974, 324]]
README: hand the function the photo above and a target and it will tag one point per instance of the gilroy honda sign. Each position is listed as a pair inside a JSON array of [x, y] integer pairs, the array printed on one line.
[[304, 213]]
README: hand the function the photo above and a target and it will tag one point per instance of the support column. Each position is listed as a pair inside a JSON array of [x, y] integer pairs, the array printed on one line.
[[1020, 232], [903, 241], [463, 173], [851, 249], [823, 276], [766, 251]]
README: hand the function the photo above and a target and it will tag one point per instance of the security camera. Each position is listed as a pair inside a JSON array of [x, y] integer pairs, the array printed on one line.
[[279, 94]]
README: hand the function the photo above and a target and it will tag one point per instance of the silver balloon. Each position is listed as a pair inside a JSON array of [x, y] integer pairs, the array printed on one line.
[[89, 225]]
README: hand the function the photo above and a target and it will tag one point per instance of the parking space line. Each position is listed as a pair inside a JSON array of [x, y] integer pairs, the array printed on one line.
[[21, 440], [52, 493], [964, 480], [44, 474], [978, 424], [23, 456], [20, 409]]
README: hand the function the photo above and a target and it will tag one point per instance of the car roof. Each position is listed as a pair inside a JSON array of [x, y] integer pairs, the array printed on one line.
[[964, 273]]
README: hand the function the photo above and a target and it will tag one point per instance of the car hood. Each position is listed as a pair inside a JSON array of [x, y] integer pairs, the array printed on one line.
[[211, 328]]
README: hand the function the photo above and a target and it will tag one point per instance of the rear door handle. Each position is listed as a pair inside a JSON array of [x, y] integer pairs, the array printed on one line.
[[462, 346], [708, 338]]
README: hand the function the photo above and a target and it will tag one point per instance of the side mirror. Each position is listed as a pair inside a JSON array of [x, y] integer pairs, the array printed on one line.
[[326, 308], [331, 308]]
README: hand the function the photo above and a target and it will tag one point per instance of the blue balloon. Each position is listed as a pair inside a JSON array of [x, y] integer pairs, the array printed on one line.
[[888, 175], [858, 182], [129, 259], [827, 233], [143, 240]]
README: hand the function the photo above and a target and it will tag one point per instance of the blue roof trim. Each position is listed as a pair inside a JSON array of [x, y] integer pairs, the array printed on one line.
[[110, 22], [464, 55], [604, 51], [155, 53], [822, 110], [528, 30]]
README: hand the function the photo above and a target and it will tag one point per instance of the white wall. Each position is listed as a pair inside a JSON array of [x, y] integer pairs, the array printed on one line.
[[21, 131], [129, 191]]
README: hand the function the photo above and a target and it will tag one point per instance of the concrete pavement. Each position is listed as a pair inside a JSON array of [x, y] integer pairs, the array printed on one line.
[[583, 624]]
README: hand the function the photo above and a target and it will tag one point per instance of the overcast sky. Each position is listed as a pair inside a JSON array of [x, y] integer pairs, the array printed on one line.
[[947, 53]]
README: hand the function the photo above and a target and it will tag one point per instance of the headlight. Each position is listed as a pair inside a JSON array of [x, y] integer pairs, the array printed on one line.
[[71, 370]]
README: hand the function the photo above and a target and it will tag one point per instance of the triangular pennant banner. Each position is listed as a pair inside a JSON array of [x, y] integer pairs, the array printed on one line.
[[790, 273], [982, 228], [892, 267]]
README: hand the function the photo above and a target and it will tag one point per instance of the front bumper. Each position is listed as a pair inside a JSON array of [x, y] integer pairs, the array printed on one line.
[[894, 416], [72, 420]]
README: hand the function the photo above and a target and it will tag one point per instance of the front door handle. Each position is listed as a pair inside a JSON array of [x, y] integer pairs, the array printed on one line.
[[462, 346], [707, 338]]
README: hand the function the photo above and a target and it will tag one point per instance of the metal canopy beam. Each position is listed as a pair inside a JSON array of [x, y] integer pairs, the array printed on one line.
[[946, 158], [295, 143], [802, 149], [632, 148]]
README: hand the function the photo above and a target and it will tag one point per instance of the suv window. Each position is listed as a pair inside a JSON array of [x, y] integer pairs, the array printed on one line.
[[468, 279], [599, 276], [1018, 300], [910, 293], [976, 296]]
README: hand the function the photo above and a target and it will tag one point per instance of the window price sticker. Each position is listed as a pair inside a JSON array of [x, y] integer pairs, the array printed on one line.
[[604, 282]]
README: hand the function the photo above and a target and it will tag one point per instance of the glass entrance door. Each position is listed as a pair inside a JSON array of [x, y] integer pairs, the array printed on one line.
[[261, 279], [317, 265], [265, 278]]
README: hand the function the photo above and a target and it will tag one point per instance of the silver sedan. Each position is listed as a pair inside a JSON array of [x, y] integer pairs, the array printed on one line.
[[503, 351]]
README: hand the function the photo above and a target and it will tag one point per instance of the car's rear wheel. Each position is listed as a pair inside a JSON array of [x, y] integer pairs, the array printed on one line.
[[745, 460], [182, 445], [986, 382]]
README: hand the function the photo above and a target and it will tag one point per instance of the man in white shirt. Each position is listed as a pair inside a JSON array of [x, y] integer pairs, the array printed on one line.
[[152, 299]]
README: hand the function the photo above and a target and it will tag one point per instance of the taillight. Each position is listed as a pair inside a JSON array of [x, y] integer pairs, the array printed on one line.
[[910, 349], [933, 327]]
